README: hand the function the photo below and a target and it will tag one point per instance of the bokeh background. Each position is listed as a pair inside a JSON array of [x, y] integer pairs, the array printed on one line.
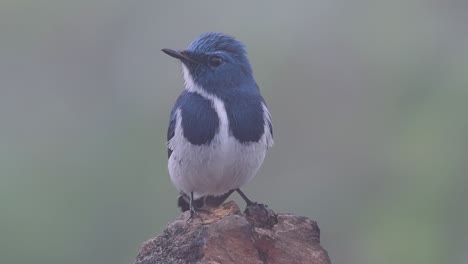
[[369, 103]]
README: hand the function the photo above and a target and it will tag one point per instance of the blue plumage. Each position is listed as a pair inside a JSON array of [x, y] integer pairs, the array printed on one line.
[[220, 126], [245, 114], [199, 120]]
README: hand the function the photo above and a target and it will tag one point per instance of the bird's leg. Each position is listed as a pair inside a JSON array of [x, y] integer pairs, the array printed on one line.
[[246, 199], [194, 210]]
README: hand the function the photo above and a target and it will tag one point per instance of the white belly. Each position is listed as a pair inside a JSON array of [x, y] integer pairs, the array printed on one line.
[[214, 169]]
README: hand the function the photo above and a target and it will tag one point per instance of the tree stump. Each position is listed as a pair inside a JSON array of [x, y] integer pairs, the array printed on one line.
[[227, 236]]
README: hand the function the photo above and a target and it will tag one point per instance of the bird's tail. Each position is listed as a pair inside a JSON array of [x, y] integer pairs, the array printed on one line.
[[210, 201]]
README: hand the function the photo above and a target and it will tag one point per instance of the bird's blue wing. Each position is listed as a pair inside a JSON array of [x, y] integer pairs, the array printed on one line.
[[171, 131], [267, 116], [173, 120], [270, 125]]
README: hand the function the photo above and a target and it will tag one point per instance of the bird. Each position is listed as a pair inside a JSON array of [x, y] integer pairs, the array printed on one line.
[[220, 126]]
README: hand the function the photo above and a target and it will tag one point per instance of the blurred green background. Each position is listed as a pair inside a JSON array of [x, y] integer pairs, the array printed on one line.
[[368, 98]]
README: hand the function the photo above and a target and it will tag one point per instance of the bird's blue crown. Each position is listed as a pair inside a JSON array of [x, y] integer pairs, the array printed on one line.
[[217, 42], [219, 62]]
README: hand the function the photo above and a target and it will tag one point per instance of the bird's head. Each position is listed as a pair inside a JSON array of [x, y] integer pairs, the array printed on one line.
[[215, 62]]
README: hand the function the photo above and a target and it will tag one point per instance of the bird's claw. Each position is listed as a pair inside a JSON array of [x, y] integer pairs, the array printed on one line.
[[196, 213]]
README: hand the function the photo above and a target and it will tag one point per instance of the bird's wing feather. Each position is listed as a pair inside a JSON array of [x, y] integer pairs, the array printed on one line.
[[173, 120], [267, 117], [171, 131]]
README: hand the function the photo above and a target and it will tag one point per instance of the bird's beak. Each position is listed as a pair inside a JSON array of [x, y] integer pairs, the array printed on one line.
[[181, 55]]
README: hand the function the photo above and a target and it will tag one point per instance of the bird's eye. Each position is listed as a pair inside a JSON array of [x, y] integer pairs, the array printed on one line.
[[215, 61]]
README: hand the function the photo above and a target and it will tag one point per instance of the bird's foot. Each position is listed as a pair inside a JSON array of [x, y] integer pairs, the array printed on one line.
[[195, 212], [256, 207], [260, 216]]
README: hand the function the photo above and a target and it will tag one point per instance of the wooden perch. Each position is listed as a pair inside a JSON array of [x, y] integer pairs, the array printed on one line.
[[226, 236]]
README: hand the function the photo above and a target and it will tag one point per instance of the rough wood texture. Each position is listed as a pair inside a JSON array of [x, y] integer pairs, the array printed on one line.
[[227, 236]]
